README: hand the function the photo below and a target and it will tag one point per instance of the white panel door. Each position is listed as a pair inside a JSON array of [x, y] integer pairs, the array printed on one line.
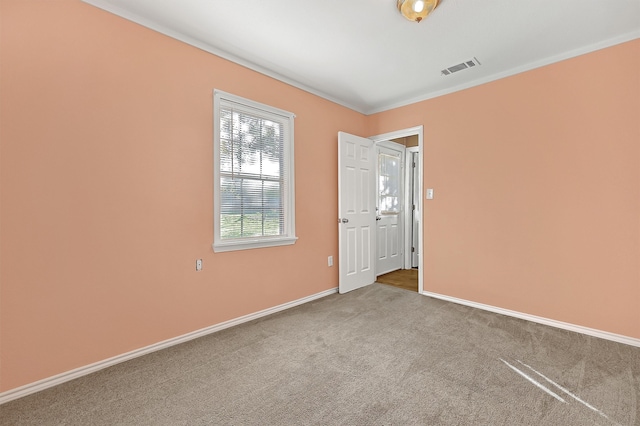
[[390, 233], [356, 211]]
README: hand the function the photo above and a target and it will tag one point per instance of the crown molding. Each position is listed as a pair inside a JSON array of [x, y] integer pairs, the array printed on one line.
[[508, 73], [106, 6], [252, 65]]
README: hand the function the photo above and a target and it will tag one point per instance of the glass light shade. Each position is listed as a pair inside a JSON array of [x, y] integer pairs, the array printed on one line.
[[416, 10]]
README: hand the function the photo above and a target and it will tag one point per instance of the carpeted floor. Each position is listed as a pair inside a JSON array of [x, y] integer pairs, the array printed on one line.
[[376, 356]]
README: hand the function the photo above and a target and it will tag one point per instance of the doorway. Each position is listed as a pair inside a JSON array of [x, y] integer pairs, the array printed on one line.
[[359, 238], [405, 273]]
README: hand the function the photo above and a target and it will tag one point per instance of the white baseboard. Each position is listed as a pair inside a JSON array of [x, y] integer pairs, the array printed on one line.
[[49, 382], [540, 320]]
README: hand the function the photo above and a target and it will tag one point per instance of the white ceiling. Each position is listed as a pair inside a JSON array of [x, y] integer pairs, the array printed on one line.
[[364, 55]]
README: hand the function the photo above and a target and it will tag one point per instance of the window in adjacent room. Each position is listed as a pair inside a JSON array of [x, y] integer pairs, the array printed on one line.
[[253, 175]]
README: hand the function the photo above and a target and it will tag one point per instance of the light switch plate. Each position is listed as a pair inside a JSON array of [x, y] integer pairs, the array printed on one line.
[[429, 193]]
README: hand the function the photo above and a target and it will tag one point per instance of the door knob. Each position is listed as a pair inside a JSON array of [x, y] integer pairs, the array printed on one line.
[[345, 220], [378, 218]]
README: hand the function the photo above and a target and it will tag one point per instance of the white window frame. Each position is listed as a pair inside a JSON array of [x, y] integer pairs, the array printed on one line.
[[220, 245]]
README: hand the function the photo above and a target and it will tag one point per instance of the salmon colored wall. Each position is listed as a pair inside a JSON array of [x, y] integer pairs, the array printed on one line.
[[106, 190], [106, 183], [537, 190]]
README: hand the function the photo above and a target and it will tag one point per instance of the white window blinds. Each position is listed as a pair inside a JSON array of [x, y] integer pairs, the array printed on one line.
[[254, 173]]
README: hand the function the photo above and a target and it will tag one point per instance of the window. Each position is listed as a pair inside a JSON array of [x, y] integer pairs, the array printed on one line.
[[253, 175], [388, 184]]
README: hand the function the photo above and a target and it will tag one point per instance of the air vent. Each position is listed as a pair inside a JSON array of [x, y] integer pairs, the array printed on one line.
[[459, 67]]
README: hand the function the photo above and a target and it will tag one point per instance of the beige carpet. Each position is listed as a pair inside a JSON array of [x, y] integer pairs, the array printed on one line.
[[376, 356]]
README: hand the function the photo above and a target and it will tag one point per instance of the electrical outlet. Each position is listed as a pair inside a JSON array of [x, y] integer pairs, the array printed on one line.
[[198, 264], [330, 260]]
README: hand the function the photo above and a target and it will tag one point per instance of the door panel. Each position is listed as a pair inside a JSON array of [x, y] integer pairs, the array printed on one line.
[[350, 263], [382, 242], [390, 160], [356, 180], [394, 237], [366, 250]]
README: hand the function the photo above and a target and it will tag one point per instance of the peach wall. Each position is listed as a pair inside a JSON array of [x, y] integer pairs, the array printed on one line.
[[106, 183], [106, 192], [537, 190]]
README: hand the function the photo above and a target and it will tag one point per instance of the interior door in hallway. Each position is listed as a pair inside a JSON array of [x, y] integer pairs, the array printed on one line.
[[389, 230], [356, 211]]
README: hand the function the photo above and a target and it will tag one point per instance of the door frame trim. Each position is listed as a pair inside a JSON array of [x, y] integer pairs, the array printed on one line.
[[408, 257], [412, 131]]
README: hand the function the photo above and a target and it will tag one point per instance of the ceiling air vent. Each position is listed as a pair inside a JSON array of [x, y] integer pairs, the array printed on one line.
[[462, 66]]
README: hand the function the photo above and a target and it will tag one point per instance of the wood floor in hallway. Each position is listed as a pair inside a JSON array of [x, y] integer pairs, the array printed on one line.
[[406, 279]]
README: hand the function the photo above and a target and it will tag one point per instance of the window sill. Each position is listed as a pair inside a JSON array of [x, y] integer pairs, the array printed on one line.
[[247, 245]]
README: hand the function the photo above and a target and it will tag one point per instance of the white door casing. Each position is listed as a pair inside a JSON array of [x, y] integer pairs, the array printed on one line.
[[356, 210], [389, 206], [413, 205]]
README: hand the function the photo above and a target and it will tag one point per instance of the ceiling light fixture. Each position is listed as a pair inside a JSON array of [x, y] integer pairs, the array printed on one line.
[[416, 10]]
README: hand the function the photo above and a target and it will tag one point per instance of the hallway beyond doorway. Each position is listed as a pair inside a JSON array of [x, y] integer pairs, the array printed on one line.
[[406, 279]]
